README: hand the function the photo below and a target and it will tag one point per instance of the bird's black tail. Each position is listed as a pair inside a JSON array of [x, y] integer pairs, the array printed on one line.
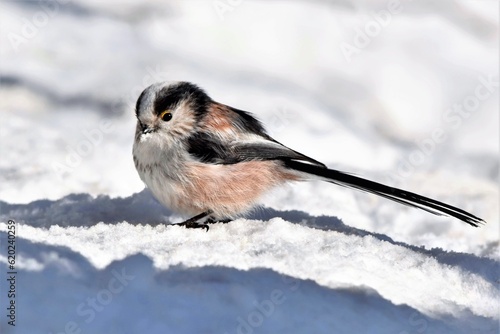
[[395, 194]]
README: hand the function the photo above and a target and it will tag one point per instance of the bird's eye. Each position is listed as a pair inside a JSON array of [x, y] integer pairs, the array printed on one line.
[[166, 116]]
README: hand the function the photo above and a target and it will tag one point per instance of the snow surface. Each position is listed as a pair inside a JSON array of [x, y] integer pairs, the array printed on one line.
[[95, 253]]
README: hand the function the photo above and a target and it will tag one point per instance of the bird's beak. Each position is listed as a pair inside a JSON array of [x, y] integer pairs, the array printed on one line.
[[145, 129]]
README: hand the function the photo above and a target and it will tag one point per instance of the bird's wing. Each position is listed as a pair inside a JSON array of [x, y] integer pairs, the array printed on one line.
[[209, 149], [270, 150], [247, 140]]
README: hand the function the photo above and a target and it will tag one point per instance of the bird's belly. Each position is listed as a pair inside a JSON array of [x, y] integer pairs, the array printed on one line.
[[230, 190], [169, 191], [226, 190]]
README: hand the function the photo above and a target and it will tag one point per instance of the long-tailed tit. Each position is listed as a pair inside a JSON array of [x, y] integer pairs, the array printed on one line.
[[207, 159]]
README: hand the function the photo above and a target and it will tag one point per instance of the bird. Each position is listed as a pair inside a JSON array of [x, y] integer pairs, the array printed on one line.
[[214, 162]]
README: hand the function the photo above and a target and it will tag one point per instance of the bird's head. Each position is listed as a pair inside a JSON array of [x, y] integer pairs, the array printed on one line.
[[170, 111]]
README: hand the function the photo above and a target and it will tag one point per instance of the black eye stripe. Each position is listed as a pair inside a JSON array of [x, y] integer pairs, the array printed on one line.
[[166, 102], [169, 97]]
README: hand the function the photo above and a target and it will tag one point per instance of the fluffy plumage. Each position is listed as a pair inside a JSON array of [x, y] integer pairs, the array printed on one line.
[[209, 159]]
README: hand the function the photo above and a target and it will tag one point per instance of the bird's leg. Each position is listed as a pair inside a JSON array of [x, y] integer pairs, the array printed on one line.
[[193, 222]]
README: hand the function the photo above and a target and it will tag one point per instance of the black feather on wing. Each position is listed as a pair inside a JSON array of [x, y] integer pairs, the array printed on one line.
[[247, 123], [270, 150], [208, 149]]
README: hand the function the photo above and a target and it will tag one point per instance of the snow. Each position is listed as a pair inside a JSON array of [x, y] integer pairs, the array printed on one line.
[[417, 107]]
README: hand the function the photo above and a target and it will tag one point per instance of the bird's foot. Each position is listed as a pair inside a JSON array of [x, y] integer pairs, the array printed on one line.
[[212, 220], [192, 224]]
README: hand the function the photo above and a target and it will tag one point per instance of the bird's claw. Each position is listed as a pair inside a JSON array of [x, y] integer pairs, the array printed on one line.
[[193, 225], [215, 221]]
